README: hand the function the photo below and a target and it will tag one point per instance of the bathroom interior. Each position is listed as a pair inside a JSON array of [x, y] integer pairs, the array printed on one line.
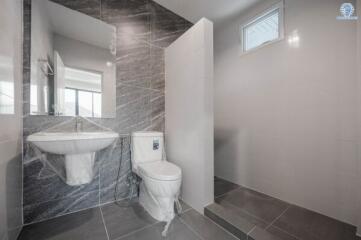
[[180, 119]]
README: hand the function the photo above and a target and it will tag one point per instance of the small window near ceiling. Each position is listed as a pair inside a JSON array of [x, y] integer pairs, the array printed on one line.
[[264, 29]]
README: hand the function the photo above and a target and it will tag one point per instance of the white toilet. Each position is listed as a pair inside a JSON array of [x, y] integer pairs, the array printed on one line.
[[161, 179]]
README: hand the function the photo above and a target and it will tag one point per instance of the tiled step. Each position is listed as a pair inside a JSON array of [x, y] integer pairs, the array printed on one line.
[[244, 227], [239, 226], [249, 214]]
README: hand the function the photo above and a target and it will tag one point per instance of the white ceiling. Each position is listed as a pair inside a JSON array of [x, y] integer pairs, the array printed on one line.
[[215, 10]]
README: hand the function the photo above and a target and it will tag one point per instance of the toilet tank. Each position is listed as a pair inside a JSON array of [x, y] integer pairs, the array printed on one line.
[[146, 147]]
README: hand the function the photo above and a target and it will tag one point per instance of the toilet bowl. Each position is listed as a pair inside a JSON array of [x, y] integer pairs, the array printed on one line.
[[159, 188], [161, 180]]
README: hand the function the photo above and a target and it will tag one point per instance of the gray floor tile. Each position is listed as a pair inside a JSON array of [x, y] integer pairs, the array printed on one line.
[[121, 219], [184, 205], [281, 234], [177, 231], [308, 225], [230, 221], [204, 227], [222, 186], [260, 234], [239, 213], [256, 204], [84, 225]]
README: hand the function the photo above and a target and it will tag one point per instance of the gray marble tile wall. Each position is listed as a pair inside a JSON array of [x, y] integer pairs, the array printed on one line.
[[144, 29]]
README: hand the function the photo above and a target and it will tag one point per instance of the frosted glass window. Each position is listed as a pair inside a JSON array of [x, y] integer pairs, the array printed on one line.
[[83, 96], [85, 103], [262, 30], [82, 79], [70, 102], [97, 104]]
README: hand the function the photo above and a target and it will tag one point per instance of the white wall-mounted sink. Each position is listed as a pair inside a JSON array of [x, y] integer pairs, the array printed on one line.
[[79, 149], [72, 142]]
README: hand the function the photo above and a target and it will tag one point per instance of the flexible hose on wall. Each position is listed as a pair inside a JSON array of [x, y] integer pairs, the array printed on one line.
[[132, 181]]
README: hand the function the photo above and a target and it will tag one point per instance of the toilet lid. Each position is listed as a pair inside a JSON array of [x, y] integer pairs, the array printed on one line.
[[161, 170]]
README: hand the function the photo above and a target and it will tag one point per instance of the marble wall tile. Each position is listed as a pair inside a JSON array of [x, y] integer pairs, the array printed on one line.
[[157, 104], [164, 22], [41, 184], [157, 69], [33, 124], [133, 65], [165, 26], [26, 56], [46, 210], [70, 126], [26, 37], [158, 123], [89, 7], [115, 10], [115, 172], [144, 29]]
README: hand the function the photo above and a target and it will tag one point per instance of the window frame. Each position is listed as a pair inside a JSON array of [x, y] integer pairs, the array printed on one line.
[[281, 27], [91, 71], [77, 99]]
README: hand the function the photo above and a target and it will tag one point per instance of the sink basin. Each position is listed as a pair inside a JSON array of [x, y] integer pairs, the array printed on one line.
[[79, 149], [72, 142]]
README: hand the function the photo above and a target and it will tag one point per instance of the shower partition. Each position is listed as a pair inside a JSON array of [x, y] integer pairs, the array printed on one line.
[[189, 111]]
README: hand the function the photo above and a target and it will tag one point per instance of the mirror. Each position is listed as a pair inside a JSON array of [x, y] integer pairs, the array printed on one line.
[[72, 66]]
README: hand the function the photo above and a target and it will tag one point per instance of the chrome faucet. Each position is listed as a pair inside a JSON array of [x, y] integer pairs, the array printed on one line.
[[78, 124]]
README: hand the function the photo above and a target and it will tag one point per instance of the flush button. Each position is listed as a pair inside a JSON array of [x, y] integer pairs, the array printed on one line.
[[155, 144]]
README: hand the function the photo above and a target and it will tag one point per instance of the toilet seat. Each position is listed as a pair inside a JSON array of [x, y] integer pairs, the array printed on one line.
[[161, 170]]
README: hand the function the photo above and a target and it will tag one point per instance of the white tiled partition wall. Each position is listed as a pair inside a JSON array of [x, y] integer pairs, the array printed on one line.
[[10, 119], [286, 115], [189, 111]]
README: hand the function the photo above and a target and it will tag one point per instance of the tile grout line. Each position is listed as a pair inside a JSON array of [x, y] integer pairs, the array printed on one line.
[[77, 211], [138, 230], [60, 215], [228, 232], [233, 190], [105, 226], [246, 212], [148, 226], [262, 193], [75, 194], [144, 88], [191, 229], [284, 211], [250, 231], [99, 185], [227, 221], [195, 232], [280, 229], [185, 211]]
